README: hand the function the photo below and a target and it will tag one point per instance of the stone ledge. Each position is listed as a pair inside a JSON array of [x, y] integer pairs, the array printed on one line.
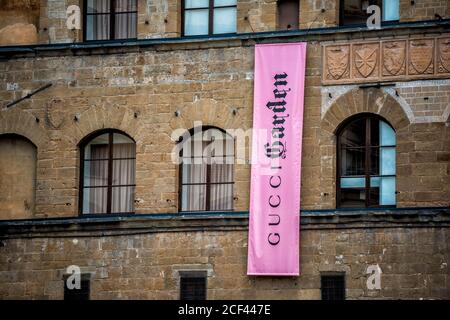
[[246, 39], [94, 226]]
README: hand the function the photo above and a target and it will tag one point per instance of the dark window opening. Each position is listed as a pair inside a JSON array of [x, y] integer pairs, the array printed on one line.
[[333, 287], [288, 14], [366, 163], [354, 12], [193, 285], [107, 180], [206, 170], [110, 19], [208, 17], [78, 294]]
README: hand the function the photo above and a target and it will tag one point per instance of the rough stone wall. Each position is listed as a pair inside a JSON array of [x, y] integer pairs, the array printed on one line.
[[319, 13], [414, 264], [106, 92], [159, 18], [19, 11], [17, 177], [140, 92], [19, 22], [162, 18], [424, 9], [53, 17]]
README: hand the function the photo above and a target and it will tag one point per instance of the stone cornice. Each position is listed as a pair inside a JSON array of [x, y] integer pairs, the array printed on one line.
[[241, 39], [98, 226]]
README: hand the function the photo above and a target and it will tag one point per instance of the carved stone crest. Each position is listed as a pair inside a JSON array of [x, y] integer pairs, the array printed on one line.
[[444, 55], [394, 58], [366, 60], [421, 56], [337, 62], [54, 115], [399, 59]]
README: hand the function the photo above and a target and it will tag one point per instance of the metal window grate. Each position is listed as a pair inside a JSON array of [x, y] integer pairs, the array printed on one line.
[[78, 294], [333, 287], [193, 287]]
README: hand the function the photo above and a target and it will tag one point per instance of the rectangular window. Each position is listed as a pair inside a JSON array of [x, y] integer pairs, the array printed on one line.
[[207, 17], [288, 14], [193, 285], [391, 10], [110, 19], [333, 287], [78, 294], [354, 12]]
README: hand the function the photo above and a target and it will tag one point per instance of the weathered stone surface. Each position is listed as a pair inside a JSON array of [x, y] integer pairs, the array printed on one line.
[[18, 34], [411, 250]]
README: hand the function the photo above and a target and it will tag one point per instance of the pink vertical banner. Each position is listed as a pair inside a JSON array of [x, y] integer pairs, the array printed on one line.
[[274, 223]]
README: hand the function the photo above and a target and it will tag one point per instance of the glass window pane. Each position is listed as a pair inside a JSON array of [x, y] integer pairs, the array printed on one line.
[[354, 134], [125, 26], [97, 27], [224, 20], [98, 6], [123, 172], [125, 5], [387, 191], [387, 135], [353, 198], [374, 197], [196, 4], [98, 148], [353, 182], [194, 173], [375, 182], [391, 10], [374, 161], [124, 147], [196, 22], [353, 162], [387, 161], [221, 3], [193, 198], [122, 200], [95, 173], [221, 197], [95, 200], [374, 132], [221, 173], [89, 27]]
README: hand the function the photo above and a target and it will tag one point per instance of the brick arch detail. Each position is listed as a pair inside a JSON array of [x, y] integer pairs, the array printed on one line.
[[103, 117], [371, 100], [23, 123], [206, 112]]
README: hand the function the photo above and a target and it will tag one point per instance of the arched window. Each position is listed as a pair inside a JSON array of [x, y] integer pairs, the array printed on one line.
[[366, 163], [108, 166], [288, 14], [17, 177], [206, 170]]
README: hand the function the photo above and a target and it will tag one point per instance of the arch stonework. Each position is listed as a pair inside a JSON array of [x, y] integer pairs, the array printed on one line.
[[104, 117], [370, 100], [21, 122], [207, 112], [356, 101]]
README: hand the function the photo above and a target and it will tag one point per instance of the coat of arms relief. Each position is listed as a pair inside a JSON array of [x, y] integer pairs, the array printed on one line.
[[386, 60]]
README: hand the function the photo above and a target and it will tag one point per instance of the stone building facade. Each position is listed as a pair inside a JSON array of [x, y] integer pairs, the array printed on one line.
[[160, 82]]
